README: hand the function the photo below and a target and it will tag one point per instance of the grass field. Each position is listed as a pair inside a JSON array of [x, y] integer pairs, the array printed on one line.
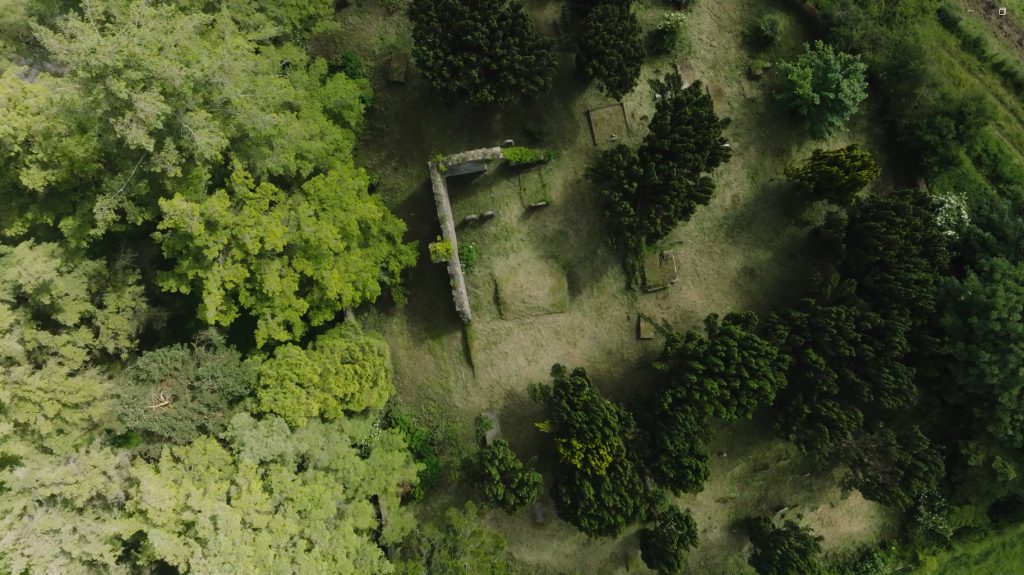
[[1001, 554], [747, 250]]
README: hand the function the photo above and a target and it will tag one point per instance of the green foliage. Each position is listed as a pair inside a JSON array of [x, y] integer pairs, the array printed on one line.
[[440, 251], [597, 489], [846, 368], [786, 550], [869, 560], [468, 255], [62, 514], [230, 246], [507, 483], [727, 373], [457, 545], [894, 466], [275, 499], [610, 47], [329, 42], [664, 545], [676, 437], [765, 33], [282, 19], [191, 93], [493, 56], [825, 87], [60, 316], [897, 254], [522, 156], [664, 38], [648, 192], [758, 67], [424, 446], [984, 339], [180, 392], [834, 175], [343, 370]]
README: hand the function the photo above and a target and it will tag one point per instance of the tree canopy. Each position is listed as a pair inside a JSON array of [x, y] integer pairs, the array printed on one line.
[[786, 550], [481, 52], [663, 546], [726, 373], [506, 481], [834, 175], [647, 192], [291, 274], [179, 392], [342, 371], [610, 47], [597, 488], [60, 316], [825, 87]]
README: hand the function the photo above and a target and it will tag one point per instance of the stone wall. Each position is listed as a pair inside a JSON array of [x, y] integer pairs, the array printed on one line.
[[447, 219]]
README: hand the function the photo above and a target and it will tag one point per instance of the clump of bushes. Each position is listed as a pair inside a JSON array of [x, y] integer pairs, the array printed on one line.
[[329, 43], [664, 38], [440, 251], [765, 33], [424, 447], [523, 156], [506, 481]]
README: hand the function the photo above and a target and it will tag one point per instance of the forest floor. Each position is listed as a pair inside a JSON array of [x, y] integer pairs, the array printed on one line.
[[747, 250]]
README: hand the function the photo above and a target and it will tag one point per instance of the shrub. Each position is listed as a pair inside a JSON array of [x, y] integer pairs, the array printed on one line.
[[664, 38], [765, 33], [523, 156], [440, 251], [757, 67], [663, 546], [467, 256], [424, 447], [507, 482]]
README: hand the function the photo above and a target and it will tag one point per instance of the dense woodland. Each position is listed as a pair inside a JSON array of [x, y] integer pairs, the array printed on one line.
[[183, 227]]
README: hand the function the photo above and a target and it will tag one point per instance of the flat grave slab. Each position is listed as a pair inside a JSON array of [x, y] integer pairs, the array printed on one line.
[[660, 270], [608, 124], [398, 68]]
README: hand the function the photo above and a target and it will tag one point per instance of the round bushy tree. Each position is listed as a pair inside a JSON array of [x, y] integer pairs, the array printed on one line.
[[481, 51], [507, 482], [177, 393], [663, 545], [787, 550], [825, 87], [765, 33], [834, 175]]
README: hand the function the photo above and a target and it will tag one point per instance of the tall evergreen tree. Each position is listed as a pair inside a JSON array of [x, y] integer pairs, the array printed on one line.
[[610, 47], [648, 192], [597, 488], [834, 175], [480, 51]]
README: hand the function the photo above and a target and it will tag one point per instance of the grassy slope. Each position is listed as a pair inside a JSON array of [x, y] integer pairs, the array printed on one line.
[[996, 555], [744, 251]]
